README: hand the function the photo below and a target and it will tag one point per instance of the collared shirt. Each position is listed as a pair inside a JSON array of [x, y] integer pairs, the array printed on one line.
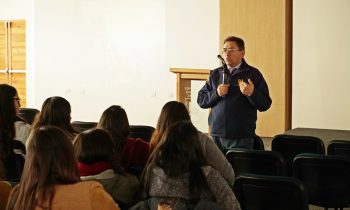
[[234, 68]]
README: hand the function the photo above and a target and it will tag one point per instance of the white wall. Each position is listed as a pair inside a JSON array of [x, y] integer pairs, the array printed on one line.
[[321, 68], [97, 53]]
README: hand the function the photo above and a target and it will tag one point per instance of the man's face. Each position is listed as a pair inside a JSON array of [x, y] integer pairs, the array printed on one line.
[[231, 53]]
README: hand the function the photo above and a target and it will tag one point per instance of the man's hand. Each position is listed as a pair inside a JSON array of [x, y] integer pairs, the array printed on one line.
[[222, 89], [246, 88]]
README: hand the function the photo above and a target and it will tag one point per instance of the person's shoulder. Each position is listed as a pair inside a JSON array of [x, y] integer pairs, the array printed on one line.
[[216, 70], [22, 124]]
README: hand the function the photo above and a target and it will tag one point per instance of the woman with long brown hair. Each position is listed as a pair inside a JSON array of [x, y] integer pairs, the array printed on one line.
[[177, 171], [174, 111], [56, 111], [134, 153], [50, 177]]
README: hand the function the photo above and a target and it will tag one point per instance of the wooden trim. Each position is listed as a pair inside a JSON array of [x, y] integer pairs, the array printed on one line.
[[289, 63]]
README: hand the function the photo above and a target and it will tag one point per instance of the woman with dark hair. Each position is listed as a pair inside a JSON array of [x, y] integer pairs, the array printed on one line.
[[50, 177], [56, 111], [14, 132], [134, 153], [12, 127], [177, 171], [95, 152], [174, 111]]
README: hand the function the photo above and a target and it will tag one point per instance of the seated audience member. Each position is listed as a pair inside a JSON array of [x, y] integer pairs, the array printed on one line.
[[95, 152], [134, 153], [177, 171], [56, 111], [11, 125], [50, 177], [174, 111]]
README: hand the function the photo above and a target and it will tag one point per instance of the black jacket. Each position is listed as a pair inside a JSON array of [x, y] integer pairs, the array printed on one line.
[[234, 115]]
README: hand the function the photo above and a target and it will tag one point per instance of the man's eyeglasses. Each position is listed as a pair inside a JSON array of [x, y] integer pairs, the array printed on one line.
[[228, 50]]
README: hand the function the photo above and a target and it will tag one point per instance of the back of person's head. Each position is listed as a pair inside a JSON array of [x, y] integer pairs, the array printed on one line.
[[95, 145], [55, 111], [172, 112], [115, 121], [177, 153], [237, 40], [49, 161]]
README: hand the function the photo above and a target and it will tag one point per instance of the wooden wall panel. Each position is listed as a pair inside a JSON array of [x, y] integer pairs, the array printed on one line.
[[262, 25], [18, 45], [18, 80], [3, 41]]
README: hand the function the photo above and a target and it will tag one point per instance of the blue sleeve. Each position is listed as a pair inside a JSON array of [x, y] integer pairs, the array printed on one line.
[[260, 98], [208, 96]]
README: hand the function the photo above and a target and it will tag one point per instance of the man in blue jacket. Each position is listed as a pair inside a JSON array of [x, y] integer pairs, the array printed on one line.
[[234, 92]]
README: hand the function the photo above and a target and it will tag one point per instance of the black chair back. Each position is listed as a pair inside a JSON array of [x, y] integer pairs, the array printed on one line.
[[261, 192], [339, 147], [257, 162], [81, 126], [258, 143], [143, 132], [18, 147], [28, 114], [326, 178], [289, 146], [14, 167]]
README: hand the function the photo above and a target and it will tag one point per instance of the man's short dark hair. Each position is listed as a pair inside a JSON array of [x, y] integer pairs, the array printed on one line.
[[237, 40]]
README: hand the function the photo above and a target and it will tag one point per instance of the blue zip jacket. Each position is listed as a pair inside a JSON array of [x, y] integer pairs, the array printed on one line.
[[234, 115]]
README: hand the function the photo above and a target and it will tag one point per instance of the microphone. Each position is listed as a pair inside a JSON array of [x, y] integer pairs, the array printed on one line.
[[222, 61], [225, 78]]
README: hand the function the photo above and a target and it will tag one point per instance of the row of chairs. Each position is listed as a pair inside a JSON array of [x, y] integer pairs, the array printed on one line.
[[136, 131], [319, 180], [143, 132], [326, 179]]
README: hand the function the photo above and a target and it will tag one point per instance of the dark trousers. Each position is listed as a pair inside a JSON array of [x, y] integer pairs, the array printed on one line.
[[226, 144]]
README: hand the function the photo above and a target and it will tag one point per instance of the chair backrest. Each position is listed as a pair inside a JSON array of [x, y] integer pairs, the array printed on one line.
[[143, 132], [326, 178], [261, 192], [14, 167], [339, 147], [256, 162], [28, 114], [258, 143], [81, 126], [289, 146], [18, 147]]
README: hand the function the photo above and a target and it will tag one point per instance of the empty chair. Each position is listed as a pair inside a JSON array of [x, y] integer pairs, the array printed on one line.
[[81, 126], [256, 162], [261, 192], [289, 146], [143, 132], [28, 114], [326, 178], [339, 147]]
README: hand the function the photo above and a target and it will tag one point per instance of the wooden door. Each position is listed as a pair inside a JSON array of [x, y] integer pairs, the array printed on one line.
[[13, 56]]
